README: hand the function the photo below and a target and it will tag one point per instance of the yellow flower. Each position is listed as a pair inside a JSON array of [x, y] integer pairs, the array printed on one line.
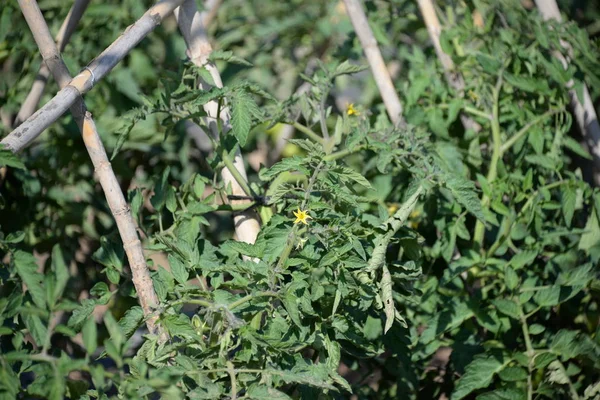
[[301, 216], [351, 110]]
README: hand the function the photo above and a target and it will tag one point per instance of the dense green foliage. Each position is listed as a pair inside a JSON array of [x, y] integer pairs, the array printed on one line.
[[437, 261]]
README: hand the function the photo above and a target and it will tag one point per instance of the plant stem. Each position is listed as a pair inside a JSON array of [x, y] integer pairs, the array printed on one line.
[[246, 299], [308, 132], [530, 350], [496, 155], [323, 114], [343, 153], [236, 174], [510, 142]]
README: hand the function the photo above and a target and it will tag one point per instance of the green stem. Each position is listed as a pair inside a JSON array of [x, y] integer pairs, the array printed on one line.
[[246, 299], [467, 109], [323, 114], [510, 142], [236, 174], [343, 153], [530, 350], [496, 155], [308, 132]]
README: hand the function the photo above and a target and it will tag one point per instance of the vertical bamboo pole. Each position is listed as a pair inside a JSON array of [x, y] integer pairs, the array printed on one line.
[[454, 79], [585, 113], [378, 68], [191, 25], [116, 201]]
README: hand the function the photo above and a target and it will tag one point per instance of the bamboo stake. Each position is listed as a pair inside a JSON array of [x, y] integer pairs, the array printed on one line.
[[62, 38], [378, 68], [454, 79], [86, 79], [110, 185], [585, 114], [190, 22]]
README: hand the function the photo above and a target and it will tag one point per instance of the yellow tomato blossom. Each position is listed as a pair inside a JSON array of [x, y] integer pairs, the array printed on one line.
[[351, 110], [301, 216]]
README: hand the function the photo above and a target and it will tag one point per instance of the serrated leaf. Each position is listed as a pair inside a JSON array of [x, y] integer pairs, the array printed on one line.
[[178, 269], [347, 68], [478, 375], [465, 194], [243, 109], [28, 271]]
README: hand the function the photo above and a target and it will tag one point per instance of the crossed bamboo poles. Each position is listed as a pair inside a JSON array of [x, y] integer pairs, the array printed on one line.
[[192, 26]]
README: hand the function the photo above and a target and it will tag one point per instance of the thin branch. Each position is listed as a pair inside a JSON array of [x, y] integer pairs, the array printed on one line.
[[62, 38], [86, 79], [585, 114], [191, 26], [378, 68], [110, 185], [454, 79]]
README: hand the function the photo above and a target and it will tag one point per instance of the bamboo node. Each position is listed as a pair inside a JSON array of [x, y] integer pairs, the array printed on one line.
[[102, 166], [93, 78], [123, 211]]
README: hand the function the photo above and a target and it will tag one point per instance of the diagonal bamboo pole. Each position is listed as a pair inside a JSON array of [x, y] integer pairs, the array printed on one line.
[[454, 79], [86, 79], [378, 68], [62, 38], [190, 22], [110, 185], [585, 113]]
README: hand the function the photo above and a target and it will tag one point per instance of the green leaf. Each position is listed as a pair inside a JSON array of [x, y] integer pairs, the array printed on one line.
[[507, 307], [131, 321], [27, 269], [568, 201], [512, 374], [220, 55], [479, 374], [61, 272], [465, 193], [90, 335], [36, 328], [261, 392], [81, 314], [290, 164], [9, 159], [346, 68], [387, 298], [243, 109], [511, 279], [178, 269]]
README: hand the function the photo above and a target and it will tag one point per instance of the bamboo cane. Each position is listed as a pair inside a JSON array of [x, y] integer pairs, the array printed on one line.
[[454, 79], [378, 68], [62, 38], [585, 113], [110, 185], [86, 79], [190, 22]]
